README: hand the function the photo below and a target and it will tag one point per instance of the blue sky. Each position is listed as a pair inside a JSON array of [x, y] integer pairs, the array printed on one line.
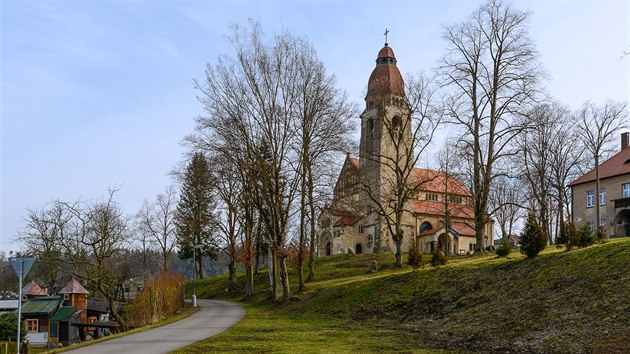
[[99, 93]]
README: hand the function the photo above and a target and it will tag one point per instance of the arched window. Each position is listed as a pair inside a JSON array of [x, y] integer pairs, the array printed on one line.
[[425, 226], [396, 126]]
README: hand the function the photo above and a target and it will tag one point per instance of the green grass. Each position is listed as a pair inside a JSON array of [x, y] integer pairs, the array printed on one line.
[[561, 301]]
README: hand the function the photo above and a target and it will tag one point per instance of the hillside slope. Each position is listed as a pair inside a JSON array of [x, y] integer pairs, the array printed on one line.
[[577, 301]]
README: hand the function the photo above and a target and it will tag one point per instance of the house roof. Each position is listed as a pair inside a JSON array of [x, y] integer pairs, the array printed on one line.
[[618, 164], [33, 289], [347, 217], [433, 180], [63, 313], [439, 181], [463, 228], [513, 239], [41, 305], [97, 305], [73, 287], [9, 304], [438, 208]]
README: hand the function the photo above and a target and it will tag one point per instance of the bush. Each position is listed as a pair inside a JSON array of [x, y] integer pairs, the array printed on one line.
[[415, 258], [573, 236], [8, 327], [563, 236], [601, 235], [586, 236], [533, 240], [438, 257], [161, 297], [504, 250]]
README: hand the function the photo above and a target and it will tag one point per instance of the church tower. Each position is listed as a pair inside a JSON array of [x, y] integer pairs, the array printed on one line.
[[385, 147]]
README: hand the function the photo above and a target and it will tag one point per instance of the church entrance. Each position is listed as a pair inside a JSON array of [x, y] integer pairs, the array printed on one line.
[[328, 249], [358, 249]]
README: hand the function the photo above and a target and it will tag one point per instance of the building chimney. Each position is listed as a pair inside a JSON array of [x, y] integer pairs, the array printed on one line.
[[624, 140]]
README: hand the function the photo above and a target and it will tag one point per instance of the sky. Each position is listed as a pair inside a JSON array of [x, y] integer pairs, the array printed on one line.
[[99, 94]]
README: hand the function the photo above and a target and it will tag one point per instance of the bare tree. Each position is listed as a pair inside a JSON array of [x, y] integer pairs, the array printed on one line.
[[157, 219], [323, 127], [536, 144], [228, 187], [99, 233], [251, 102], [597, 126], [566, 156], [42, 236], [507, 201], [492, 70]]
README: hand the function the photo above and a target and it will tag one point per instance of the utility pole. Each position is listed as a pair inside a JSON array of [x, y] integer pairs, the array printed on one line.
[[21, 266]]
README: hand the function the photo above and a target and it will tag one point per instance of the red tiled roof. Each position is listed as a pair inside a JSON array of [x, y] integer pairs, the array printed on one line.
[[617, 165], [347, 217], [438, 208], [33, 289], [439, 181], [386, 78], [434, 181], [73, 287], [462, 228]]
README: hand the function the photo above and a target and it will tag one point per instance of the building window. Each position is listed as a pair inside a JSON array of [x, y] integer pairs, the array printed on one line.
[[471, 246], [31, 325], [66, 296], [626, 190], [602, 196], [432, 197], [602, 222], [455, 199], [425, 226], [590, 199]]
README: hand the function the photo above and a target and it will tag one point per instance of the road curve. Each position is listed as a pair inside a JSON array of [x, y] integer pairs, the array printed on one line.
[[213, 317]]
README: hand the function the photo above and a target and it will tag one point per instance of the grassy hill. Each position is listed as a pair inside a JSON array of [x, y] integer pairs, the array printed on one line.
[[577, 301]]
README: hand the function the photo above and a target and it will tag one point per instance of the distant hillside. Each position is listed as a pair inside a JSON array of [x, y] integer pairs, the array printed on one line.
[[577, 301]]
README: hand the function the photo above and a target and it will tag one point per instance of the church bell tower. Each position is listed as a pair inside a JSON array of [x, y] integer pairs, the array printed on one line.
[[386, 142]]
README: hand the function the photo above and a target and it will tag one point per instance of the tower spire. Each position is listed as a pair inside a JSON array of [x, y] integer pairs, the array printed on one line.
[[385, 34]]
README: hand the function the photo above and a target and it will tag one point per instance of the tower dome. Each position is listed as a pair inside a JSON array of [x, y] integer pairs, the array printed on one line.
[[386, 78]]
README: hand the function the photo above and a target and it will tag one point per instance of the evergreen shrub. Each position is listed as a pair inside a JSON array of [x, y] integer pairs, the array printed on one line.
[[533, 240]]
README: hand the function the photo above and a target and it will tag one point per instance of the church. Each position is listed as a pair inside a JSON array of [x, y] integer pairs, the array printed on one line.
[[439, 215]]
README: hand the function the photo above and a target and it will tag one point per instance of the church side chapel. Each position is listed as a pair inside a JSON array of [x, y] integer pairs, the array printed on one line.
[[440, 215]]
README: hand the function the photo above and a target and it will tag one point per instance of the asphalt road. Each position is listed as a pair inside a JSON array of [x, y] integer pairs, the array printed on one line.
[[213, 318]]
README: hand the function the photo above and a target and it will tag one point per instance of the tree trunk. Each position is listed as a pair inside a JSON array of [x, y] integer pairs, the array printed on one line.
[[284, 277], [249, 282], [311, 206], [232, 270]]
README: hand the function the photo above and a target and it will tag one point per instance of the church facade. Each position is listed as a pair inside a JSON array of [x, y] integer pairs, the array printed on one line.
[[440, 213]]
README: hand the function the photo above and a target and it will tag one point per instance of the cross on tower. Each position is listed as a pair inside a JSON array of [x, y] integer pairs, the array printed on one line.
[[385, 34]]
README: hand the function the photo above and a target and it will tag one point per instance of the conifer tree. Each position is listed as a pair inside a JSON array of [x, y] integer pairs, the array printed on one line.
[[533, 239], [194, 220], [415, 258]]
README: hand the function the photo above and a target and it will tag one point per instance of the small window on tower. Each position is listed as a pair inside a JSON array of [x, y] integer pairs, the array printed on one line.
[[396, 122]]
